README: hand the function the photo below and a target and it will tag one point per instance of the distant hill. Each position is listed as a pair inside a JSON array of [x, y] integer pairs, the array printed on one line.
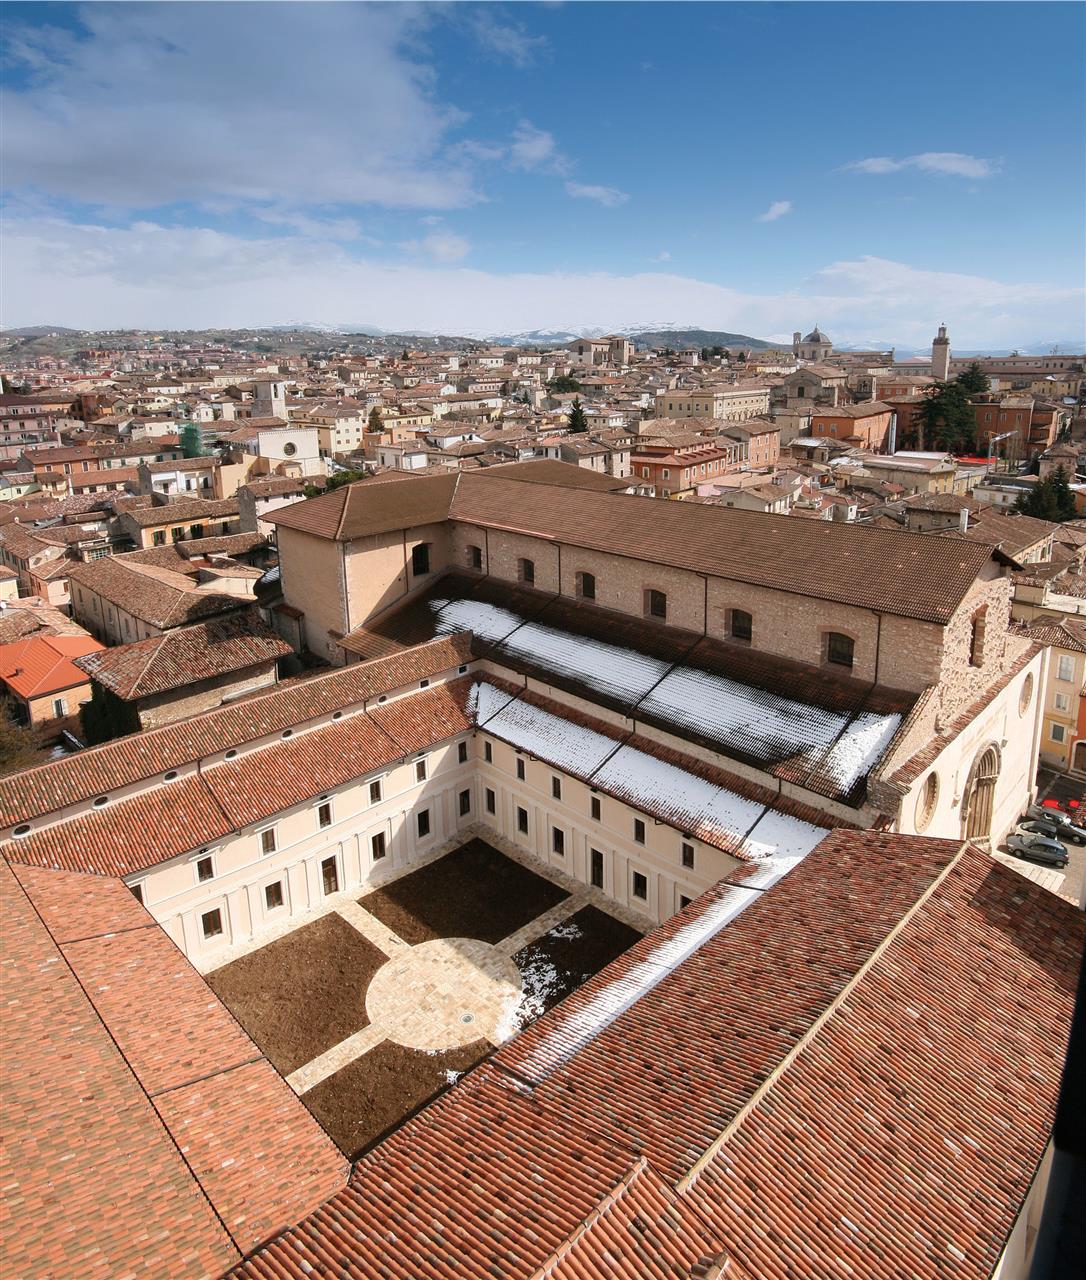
[[676, 339], [41, 331]]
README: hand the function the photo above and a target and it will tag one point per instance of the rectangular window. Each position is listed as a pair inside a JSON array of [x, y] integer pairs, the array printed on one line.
[[273, 895], [267, 840], [522, 821], [639, 831], [596, 873], [375, 791], [1062, 702], [60, 707], [520, 769], [596, 808], [324, 815], [556, 788], [491, 801], [211, 924], [688, 855], [527, 572], [420, 559], [205, 869], [465, 803], [377, 846], [420, 770], [839, 649], [422, 823], [475, 557], [462, 752], [330, 875], [1065, 667], [488, 752], [1057, 732], [158, 538], [740, 625], [558, 841], [656, 604], [640, 886]]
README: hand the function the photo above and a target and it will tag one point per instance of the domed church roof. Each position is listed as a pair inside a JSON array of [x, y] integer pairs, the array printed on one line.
[[816, 335]]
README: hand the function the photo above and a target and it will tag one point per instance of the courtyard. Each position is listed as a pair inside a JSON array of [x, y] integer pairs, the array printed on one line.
[[375, 1007]]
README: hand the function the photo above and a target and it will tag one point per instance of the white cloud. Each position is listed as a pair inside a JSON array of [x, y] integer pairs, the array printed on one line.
[[151, 276], [314, 227], [776, 210], [299, 104], [608, 196], [506, 39], [536, 151], [662, 256], [442, 246], [945, 162]]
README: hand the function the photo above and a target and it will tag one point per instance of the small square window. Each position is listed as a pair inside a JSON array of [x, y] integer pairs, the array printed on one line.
[[205, 870], [375, 792], [522, 821], [420, 770], [491, 801], [462, 752], [424, 684], [324, 815], [639, 831], [211, 924], [377, 846], [422, 822], [488, 752], [596, 808], [465, 803], [556, 788], [640, 886], [273, 895], [558, 841], [267, 840], [688, 855], [520, 769]]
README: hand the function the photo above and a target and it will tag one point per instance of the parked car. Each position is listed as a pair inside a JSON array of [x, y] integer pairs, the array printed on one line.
[[1038, 849], [1068, 830]]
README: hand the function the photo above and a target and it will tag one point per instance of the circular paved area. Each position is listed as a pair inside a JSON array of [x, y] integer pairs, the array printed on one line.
[[443, 994]]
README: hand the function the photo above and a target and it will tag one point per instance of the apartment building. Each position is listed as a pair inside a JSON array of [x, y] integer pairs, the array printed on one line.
[[727, 404]]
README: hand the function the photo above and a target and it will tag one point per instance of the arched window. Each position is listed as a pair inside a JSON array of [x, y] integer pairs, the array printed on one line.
[[740, 625], [839, 649], [586, 586], [655, 604]]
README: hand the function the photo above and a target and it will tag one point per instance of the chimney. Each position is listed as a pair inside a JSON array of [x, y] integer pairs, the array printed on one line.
[[963, 519]]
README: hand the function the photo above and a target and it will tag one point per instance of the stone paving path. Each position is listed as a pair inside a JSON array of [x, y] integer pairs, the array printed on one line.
[[446, 992]]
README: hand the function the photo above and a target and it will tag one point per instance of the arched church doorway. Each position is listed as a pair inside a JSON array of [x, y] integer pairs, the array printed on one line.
[[980, 794]]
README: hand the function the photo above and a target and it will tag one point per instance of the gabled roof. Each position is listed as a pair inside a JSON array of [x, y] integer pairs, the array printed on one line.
[[185, 656], [40, 665], [906, 574]]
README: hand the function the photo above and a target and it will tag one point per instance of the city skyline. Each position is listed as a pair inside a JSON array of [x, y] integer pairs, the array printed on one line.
[[505, 168]]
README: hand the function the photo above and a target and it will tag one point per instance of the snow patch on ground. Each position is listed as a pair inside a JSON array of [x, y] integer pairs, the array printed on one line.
[[569, 1035]]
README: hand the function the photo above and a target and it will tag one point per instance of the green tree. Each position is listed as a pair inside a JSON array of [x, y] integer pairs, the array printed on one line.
[[18, 743], [563, 384], [945, 418], [578, 420], [1049, 499], [335, 481], [405, 354], [375, 422], [973, 380]]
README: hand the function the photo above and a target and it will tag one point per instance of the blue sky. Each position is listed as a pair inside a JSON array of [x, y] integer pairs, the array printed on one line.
[[877, 168]]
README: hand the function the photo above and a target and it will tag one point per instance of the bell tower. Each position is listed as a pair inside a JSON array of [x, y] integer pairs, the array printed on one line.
[[940, 355]]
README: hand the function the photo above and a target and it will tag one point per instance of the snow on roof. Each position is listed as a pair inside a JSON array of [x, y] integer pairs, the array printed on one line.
[[741, 718], [653, 785]]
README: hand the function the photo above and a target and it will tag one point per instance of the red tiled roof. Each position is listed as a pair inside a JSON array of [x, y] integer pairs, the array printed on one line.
[[185, 655], [82, 777], [40, 665], [248, 1156]]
